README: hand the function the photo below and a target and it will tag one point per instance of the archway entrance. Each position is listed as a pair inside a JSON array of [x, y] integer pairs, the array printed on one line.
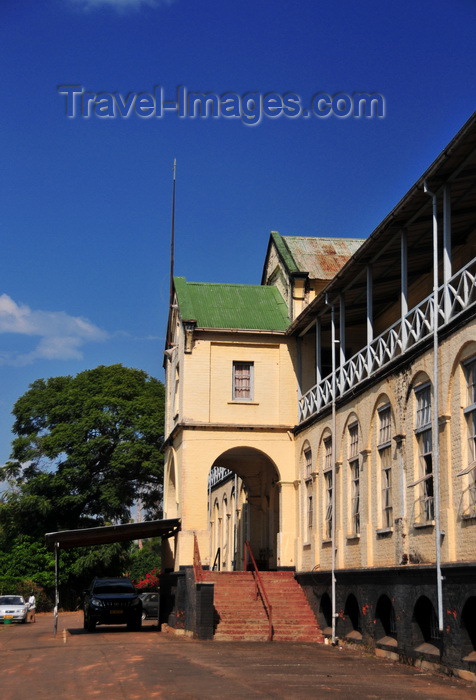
[[243, 504]]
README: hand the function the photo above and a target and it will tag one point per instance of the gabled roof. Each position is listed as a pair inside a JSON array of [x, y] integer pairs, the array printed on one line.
[[318, 258], [231, 306], [321, 257]]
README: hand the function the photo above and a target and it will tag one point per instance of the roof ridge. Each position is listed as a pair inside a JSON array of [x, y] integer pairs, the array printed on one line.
[[329, 238], [224, 284], [284, 252]]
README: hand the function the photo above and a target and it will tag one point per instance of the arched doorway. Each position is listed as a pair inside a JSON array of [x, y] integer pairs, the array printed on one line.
[[468, 624], [425, 627], [385, 621], [246, 480]]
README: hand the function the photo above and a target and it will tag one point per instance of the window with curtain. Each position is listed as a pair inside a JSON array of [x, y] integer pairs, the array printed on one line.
[[242, 381]]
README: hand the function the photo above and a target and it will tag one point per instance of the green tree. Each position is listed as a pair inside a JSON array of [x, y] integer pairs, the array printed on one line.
[[86, 448], [142, 560]]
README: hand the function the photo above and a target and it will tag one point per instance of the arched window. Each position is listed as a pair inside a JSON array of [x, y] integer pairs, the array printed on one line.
[[328, 487], [354, 470], [424, 506], [216, 535], [469, 472], [225, 533], [384, 447], [308, 489]]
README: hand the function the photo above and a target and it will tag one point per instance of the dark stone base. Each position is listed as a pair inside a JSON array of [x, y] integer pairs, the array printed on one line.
[[185, 604], [395, 610]]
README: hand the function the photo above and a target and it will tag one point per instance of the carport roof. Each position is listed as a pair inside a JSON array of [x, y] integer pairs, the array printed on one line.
[[106, 534]]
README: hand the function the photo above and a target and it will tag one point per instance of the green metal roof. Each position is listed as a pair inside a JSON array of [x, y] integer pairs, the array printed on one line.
[[283, 250], [228, 306]]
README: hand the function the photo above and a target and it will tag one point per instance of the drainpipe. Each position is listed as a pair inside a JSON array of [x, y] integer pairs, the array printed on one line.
[[434, 427], [235, 527], [334, 443], [211, 525]]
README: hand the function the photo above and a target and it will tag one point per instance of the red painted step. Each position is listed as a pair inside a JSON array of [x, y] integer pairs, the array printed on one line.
[[241, 616]]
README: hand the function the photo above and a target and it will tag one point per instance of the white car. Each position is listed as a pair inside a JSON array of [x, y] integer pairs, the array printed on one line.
[[13, 608]]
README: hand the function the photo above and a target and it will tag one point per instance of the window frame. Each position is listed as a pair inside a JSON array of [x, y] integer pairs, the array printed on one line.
[[468, 501], [384, 448], [310, 506], [307, 463], [424, 436], [354, 465], [329, 490], [239, 365], [308, 494], [328, 487]]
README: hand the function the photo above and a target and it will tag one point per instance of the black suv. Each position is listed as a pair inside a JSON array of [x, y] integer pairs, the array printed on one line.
[[112, 601]]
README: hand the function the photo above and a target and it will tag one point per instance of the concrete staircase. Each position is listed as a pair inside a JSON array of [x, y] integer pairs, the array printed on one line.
[[240, 616]]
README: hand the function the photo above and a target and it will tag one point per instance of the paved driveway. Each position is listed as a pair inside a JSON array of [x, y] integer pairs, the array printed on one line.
[[113, 663]]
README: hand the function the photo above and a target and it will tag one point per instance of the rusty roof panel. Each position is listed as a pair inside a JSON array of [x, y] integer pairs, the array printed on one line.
[[322, 258]]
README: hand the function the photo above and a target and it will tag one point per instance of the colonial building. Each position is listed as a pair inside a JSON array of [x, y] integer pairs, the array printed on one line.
[[341, 392]]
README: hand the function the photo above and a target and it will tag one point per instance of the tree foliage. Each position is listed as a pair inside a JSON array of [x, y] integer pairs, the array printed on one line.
[[144, 560], [87, 448]]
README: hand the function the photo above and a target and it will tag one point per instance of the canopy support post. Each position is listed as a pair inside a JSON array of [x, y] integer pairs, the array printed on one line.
[[56, 591]]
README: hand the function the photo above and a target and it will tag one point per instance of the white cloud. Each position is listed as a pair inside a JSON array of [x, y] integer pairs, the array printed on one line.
[[120, 5], [61, 336]]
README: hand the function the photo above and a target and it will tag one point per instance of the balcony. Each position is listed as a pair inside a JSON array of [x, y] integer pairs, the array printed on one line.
[[458, 295]]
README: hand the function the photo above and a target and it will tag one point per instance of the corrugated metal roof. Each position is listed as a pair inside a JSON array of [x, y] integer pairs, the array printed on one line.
[[284, 252], [106, 534], [228, 306], [322, 258]]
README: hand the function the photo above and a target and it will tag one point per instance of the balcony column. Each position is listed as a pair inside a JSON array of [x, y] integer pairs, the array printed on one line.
[[447, 271], [370, 318], [342, 343], [404, 286], [299, 375], [318, 351]]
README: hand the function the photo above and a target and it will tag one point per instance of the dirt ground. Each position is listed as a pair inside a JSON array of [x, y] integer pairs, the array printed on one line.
[[114, 663]]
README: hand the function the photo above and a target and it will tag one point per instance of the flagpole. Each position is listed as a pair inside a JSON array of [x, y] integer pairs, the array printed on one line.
[[172, 246]]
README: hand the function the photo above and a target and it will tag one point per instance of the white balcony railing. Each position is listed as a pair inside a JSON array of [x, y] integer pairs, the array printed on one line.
[[218, 475], [417, 325]]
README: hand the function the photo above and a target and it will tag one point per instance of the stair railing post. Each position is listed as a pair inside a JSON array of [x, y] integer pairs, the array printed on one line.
[[260, 589]]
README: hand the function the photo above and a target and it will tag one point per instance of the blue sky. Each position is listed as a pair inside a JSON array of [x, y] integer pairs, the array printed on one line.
[[85, 202]]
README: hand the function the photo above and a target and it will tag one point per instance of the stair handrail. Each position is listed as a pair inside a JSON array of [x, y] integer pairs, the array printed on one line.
[[197, 563], [260, 589], [217, 560]]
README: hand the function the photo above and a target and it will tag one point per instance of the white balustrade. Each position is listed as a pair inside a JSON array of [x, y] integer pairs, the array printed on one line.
[[395, 341]]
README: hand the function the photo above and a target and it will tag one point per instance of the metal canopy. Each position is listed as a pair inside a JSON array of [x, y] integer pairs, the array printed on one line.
[[65, 539]]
